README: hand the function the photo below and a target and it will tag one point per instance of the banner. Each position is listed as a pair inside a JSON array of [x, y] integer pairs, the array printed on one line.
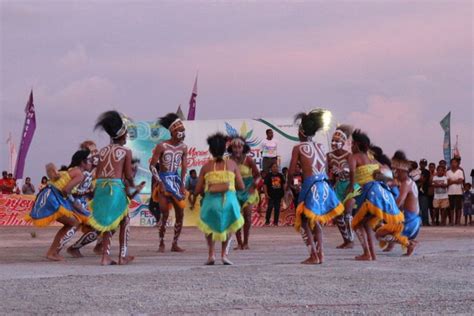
[[144, 136], [446, 126], [14, 208], [26, 137], [192, 102]]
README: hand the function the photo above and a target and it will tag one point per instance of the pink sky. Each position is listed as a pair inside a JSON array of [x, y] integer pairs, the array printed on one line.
[[392, 68]]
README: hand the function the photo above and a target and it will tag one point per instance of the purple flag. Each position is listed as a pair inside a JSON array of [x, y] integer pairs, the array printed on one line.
[[192, 101], [26, 137]]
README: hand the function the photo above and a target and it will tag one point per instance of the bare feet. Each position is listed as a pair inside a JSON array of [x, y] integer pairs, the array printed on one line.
[[161, 248], [389, 247], [226, 261], [245, 247], [125, 260], [411, 247], [364, 257], [54, 257], [311, 260], [75, 253], [239, 247], [176, 248], [98, 249], [320, 257], [210, 261], [106, 261]]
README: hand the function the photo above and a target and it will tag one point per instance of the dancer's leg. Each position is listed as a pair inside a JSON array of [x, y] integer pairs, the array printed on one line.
[[178, 226], [124, 258], [247, 225], [212, 252], [90, 235], [63, 236]]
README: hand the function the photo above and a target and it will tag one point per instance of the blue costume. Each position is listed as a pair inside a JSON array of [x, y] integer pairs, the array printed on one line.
[[317, 201], [50, 204]]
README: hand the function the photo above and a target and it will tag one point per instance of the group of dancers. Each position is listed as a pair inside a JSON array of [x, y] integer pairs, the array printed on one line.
[[364, 192]]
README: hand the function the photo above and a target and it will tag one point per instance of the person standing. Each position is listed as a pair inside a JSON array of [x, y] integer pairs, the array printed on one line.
[[317, 203], [171, 156], [269, 149], [249, 196], [339, 171], [468, 198], [43, 184], [220, 211], [441, 199], [455, 190], [109, 207], [423, 188], [191, 182], [432, 170], [28, 188], [274, 191]]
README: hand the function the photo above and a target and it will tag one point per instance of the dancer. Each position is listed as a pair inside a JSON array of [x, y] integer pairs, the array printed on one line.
[[317, 203], [55, 202], [220, 211], [407, 200], [376, 203], [249, 196], [339, 171], [170, 191], [110, 204], [82, 195]]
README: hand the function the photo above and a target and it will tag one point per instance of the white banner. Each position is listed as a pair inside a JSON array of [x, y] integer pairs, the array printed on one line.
[[145, 135]]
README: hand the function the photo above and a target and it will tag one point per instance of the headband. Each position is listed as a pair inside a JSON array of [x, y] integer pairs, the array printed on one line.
[[121, 131], [341, 134], [401, 164], [175, 122], [237, 140]]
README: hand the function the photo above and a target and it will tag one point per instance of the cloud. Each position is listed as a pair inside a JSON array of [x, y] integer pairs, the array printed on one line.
[[398, 123], [75, 59]]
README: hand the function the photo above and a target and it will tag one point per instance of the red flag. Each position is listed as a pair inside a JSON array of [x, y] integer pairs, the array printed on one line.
[[192, 101], [26, 137]]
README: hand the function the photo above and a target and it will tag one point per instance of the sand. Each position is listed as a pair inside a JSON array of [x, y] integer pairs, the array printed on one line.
[[267, 279]]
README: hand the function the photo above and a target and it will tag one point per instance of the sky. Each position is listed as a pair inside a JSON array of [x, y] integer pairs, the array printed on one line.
[[392, 68]]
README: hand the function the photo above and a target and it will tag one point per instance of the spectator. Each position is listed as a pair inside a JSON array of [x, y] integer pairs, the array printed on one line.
[[191, 187], [284, 171], [455, 191], [274, 191], [432, 170], [9, 184], [468, 202], [28, 188], [423, 186], [3, 183], [441, 199], [296, 185], [443, 163], [269, 151], [43, 184]]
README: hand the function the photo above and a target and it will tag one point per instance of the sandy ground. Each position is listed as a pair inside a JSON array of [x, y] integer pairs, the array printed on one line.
[[267, 279]]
